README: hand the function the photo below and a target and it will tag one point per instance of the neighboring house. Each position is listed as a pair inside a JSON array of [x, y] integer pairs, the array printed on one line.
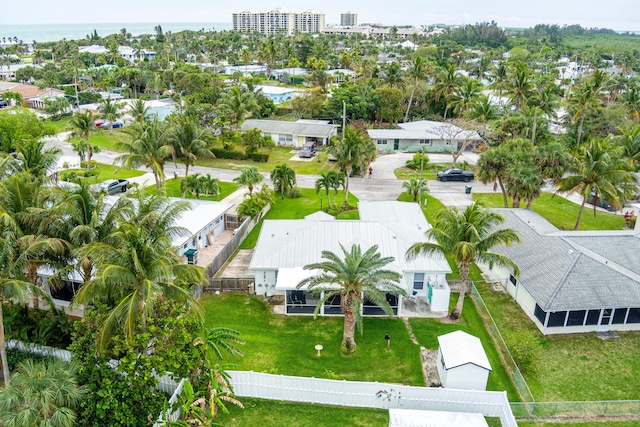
[[572, 281], [277, 94], [433, 137], [462, 362], [33, 96], [126, 52], [246, 70], [295, 133], [341, 75], [291, 72], [204, 222], [284, 247]]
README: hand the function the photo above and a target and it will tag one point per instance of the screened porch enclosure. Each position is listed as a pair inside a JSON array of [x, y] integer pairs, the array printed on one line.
[[602, 318], [302, 302]]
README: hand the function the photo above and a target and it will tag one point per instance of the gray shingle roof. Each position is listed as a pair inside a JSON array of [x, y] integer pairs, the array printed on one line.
[[315, 130], [573, 270]]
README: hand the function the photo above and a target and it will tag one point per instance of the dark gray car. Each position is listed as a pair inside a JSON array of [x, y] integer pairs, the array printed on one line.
[[455, 174]]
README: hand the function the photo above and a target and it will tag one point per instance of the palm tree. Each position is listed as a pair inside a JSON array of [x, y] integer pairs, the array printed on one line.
[[238, 104], [187, 140], [467, 237], [446, 82], [324, 182], [148, 146], [353, 277], [32, 157], [520, 85], [283, 178], [629, 139], [336, 182], [249, 177], [138, 110], [81, 126], [631, 99], [599, 168], [417, 72], [111, 111], [414, 187], [523, 182], [351, 151], [465, 96], [42, 393], [482, 110], [140, 267]]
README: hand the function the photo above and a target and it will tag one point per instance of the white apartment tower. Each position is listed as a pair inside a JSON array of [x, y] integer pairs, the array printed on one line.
[[348, 19], [278, 20]]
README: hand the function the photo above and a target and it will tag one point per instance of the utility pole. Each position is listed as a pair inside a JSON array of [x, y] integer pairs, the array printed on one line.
[[421, 170]]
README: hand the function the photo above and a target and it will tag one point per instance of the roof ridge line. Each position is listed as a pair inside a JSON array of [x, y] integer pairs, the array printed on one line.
[[563, 278]]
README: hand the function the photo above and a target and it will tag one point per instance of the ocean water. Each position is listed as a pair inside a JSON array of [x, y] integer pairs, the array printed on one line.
[[55, 32]]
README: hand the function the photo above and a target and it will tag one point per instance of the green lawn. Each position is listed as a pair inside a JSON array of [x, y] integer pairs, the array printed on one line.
[[573, 367], [268, 413], [560, 212], [107, 142], [277, 156], [173, 189], [60, 125], [105, 172], [285, 344], [353, 214], [633, 423], [296, 208], [429, 172]]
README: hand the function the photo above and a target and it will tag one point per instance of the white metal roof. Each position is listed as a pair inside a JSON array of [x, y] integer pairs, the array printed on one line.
[[459, 348], [320, 216], [394, 212], [420, 418]]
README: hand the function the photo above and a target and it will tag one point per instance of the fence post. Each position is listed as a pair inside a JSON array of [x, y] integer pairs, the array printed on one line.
[[605, 409]]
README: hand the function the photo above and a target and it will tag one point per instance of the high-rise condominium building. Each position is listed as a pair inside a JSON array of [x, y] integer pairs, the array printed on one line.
[[278, 20], [348, 19]]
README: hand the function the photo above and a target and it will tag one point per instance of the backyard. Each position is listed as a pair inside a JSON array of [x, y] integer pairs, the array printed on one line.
[[560, 212]]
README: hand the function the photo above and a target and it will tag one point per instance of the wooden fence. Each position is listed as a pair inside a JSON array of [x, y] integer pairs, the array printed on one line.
[[227, 284]]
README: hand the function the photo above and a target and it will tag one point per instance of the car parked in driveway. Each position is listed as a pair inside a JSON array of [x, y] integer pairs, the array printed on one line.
[[114, 186], [3, 103], [455, 174]]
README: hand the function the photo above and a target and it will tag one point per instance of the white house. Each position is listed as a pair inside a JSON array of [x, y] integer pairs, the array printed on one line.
[[424, 135], [295, 133], [572, 281], [284, 247], [462, 362]]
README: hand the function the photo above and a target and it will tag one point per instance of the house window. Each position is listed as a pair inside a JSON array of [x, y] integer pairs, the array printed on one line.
[[382, 142], [557, 318], [593, 317], [418, 280], [619, 316], [540, 314], [512, 280], [285, 138], [425, 142], [576, 318]]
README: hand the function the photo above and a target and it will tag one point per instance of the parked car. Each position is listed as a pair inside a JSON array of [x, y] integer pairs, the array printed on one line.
[[99, 122], [601, 203], [116, 125], [308, 150], [114, 186], [3, 103], [455, 174]]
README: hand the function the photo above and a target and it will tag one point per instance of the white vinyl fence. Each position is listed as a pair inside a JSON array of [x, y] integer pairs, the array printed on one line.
[[371, 395]]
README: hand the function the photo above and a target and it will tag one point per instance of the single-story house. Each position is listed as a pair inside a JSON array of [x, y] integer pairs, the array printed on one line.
[[291, 72], [32, 95], [295, 133], [284, 247], [340, 75], [204, 221], [126, 52], [430, 136], [246, 70], [462, 362], [277, 94], [572, 281]]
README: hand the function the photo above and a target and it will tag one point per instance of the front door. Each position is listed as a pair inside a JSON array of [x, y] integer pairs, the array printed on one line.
[[607, 313], [396, 144]]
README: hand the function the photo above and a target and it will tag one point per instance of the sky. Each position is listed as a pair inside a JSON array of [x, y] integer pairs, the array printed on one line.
[[616, 14]]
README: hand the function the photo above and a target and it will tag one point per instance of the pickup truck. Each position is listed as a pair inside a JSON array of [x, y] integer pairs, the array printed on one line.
[[114, 186]]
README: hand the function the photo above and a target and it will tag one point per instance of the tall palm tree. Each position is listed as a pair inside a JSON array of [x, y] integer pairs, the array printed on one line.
[[417, 72], [631, 99], [81, 126], [249, 177], [351, 151], [187, 140], [138, 110], [238, 104], [414, 187], [139, 267], [111, 111], [629, 139], [599, 168], [42, 393], [324, 182], [446, 82], [33, 158], [336, 182], [283, 178], [520, 85], [148, 146], [465, 96], [523, 182], [353, 276], [467, 237]]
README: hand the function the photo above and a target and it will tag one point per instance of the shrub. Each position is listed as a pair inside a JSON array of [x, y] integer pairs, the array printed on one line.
[[15, 356], [69, 176], [260, 157], [83, 164], [294, 193], [229, 154], [414, 163]]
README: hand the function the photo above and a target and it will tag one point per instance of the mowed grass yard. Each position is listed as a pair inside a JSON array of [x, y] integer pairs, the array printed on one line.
[[104, 172], [573, 367], [281, 344], [560, 212]]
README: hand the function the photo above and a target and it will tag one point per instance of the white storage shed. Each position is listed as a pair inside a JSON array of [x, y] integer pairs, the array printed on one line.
[[462, 362]]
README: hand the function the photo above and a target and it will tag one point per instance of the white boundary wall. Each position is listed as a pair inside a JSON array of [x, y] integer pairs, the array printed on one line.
[[365, 394]]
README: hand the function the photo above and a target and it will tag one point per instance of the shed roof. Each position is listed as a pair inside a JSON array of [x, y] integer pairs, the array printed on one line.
[[294, 128], [576, 270], [421, 418], [459, 348]]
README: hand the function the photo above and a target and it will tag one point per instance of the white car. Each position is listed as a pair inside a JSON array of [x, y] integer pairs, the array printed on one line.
[[114, 186]]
